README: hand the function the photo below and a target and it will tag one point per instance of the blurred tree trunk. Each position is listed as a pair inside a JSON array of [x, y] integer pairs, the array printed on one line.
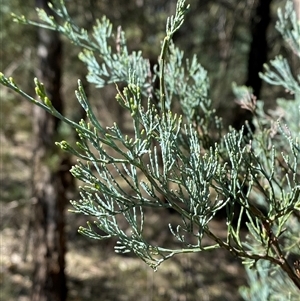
[[259, 48], [258, 54], [297, 8], [49, 171], [295, 59]]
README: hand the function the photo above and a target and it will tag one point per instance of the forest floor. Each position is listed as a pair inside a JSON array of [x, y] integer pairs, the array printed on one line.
[[93, 270]]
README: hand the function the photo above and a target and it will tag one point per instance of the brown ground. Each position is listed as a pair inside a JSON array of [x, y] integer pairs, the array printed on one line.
[[95, 272]]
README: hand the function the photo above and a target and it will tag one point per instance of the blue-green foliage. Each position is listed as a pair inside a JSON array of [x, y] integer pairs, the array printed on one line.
[[179, 156], [267, 281]]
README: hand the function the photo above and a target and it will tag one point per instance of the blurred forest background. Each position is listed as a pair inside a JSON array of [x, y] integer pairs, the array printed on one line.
[[232, 39]]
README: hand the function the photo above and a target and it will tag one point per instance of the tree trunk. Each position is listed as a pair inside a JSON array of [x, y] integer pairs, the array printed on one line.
[[297, 8], [49, 280], [257, 56], [259, 47]]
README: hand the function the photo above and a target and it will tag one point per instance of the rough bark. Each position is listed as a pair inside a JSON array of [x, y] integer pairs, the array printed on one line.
[[49, 169]]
